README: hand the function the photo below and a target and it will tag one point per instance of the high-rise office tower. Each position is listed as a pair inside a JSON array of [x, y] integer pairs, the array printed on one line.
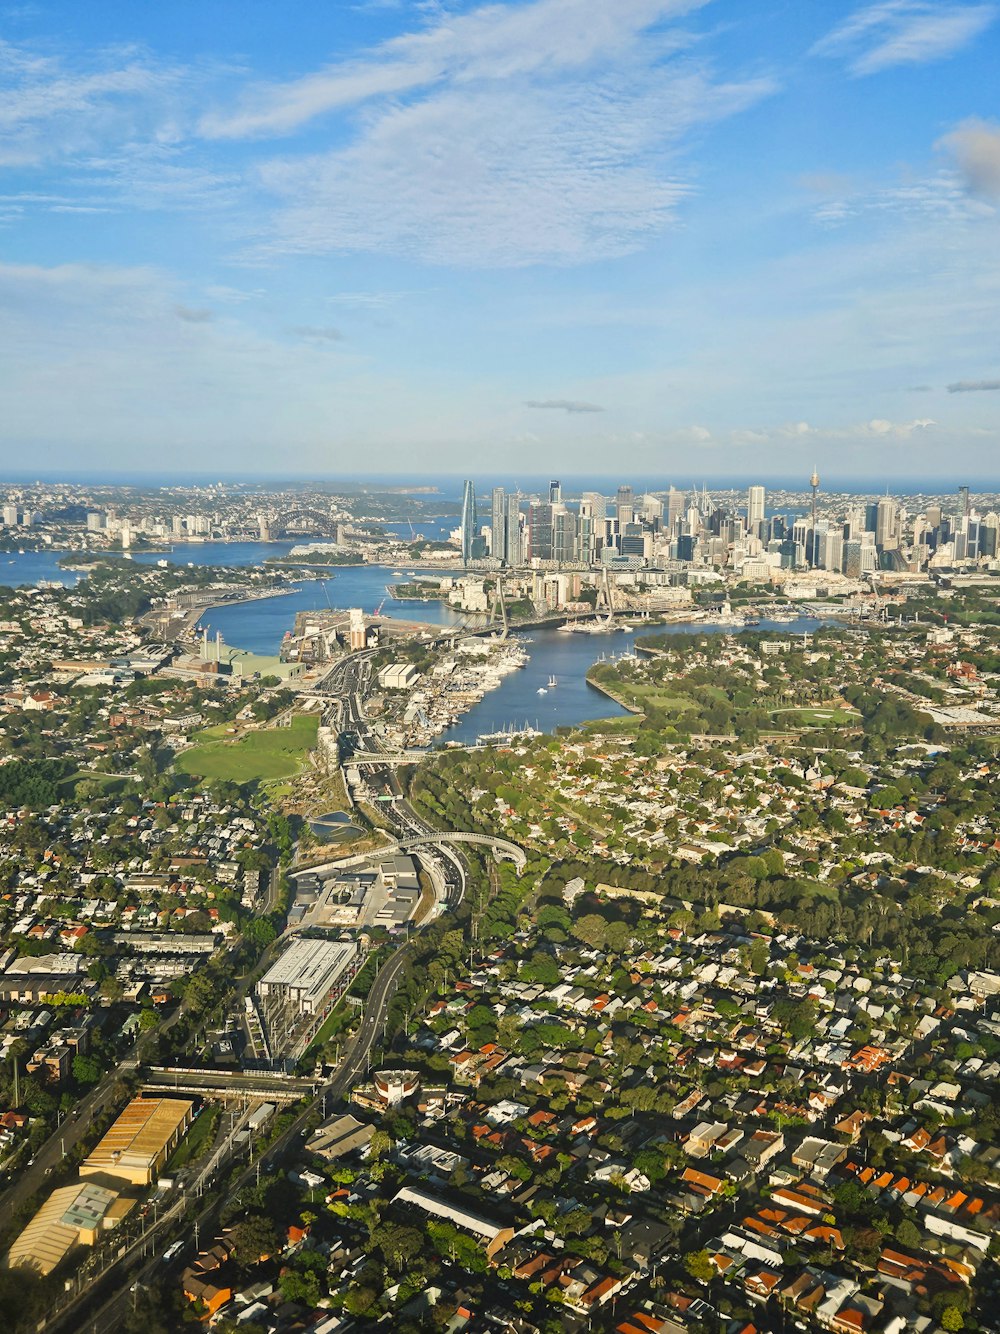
[[498, 523], [814, 483], [564, 535], [595, 505], [469, 522], [624, 506], [755, 510], [886, 524], [513, 540], [591, 524], [555, 493], [651, 508], [675, 509], [963, 500], [540, 531]]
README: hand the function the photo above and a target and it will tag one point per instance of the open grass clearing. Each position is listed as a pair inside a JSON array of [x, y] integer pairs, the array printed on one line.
[[273, 752]]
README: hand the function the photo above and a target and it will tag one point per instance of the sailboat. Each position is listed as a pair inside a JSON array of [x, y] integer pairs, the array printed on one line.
[[552, 683], [542, 690]]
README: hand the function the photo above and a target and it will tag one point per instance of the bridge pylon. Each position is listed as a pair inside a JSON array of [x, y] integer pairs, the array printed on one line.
[[498, 605]]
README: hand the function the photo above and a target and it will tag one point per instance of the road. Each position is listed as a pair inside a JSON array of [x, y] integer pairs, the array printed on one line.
[[142, 1261], [73, 1128]]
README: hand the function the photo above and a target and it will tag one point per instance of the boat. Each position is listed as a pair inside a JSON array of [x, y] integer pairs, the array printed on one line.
[[542, 690], [510, 733], [552, 683], [397, 574]]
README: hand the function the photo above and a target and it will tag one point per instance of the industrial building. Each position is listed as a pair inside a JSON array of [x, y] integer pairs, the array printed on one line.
[[398, 676], [71, 1216], [140, 1141], [307, 972]]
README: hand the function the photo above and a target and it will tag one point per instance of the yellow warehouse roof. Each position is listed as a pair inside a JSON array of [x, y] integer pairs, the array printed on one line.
[[139, 1136]]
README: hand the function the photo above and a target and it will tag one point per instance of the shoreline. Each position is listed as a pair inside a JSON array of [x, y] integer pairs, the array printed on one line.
[[605, 690]]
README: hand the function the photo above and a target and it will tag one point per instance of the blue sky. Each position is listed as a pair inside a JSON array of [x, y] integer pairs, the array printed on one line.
[[673, 237]]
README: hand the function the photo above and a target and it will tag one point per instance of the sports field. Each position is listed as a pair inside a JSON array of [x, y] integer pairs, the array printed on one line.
[[275, 752]]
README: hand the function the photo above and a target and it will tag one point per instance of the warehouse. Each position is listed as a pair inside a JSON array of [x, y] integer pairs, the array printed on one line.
[[72, 1216], [399, 676], [141, 1140], [307, 972]]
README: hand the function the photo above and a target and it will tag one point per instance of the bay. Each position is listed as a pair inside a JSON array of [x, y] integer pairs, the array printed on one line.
[[260, 626], [21, 569]]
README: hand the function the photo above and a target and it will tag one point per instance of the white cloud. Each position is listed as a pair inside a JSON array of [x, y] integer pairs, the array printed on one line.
[[493, 42], [975, 147], [549, 131], [878, 426], [939, 195], [904, 32], [514, 170], [49, 110]]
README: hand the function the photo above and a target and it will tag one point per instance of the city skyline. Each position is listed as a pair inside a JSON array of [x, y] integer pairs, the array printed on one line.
[[727, 241]]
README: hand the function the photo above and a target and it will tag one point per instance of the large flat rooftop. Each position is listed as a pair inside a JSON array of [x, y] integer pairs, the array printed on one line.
[[139, 1140]]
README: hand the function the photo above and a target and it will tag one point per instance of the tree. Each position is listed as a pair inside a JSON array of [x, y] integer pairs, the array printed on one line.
[[699, 1265], [760, 956], [86, 1069], [254, 1237], [398, 1244], [379, 1146]]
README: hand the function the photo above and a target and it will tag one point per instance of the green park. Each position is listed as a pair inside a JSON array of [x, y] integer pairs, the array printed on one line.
[[272, 752]]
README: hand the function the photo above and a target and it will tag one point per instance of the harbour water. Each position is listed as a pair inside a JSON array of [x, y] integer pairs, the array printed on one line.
[[260, 626], [525, 697], [28, 568]]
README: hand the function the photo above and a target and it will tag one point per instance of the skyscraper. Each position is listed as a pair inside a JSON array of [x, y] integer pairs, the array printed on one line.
[[675, 509], [469, 523], [564, 535], [886, 524], [555, 493], [814, 483], [513, 542], [540, 531], [624, 506], [755, 510], [498, 524]]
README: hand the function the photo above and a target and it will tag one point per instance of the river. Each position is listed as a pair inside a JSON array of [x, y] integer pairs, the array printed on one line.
[[259, 626]]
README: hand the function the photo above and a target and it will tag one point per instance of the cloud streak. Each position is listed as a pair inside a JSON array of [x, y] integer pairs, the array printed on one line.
[[973, 386], [544, 133], [562, 405], [491, 42], [904, 32]]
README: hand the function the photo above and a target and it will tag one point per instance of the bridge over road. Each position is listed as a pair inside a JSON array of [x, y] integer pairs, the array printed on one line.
[[499, 845], [432, 839]]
